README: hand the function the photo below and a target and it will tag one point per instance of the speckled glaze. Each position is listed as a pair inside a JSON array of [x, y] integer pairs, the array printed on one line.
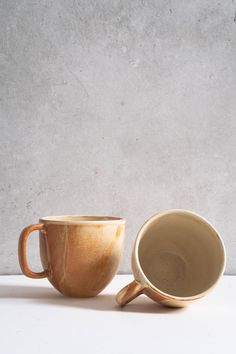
[[80, 255], [205, 272]]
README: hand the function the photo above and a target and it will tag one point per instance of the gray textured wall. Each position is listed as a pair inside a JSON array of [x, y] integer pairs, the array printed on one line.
[[116, 107]]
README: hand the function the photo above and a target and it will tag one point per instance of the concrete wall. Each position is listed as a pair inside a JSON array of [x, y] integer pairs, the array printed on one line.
[[116, 107]]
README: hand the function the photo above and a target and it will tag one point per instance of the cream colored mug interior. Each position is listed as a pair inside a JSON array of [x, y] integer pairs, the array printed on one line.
[[180, 253]]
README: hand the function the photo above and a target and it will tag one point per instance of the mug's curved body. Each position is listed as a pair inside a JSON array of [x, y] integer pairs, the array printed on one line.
[[80, 255], [177, 258]]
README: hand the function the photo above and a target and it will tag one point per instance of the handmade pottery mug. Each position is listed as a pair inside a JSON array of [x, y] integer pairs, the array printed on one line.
[[177, 258], [79, 254]]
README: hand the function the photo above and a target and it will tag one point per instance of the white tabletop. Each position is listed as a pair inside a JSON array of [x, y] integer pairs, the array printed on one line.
[[35, 318]]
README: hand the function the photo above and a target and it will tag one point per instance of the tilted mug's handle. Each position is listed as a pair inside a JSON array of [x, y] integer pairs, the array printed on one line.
[[129, 292], [22, 251]]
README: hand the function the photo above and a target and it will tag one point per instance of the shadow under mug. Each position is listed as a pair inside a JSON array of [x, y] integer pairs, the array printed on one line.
[[177, 258], [80, 254]]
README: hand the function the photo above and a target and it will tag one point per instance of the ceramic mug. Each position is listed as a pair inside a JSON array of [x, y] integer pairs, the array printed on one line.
[[79, 254], [177, 258]]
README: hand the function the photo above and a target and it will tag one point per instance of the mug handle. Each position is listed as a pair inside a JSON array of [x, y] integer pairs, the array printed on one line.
[[129, 293], [22, 251]]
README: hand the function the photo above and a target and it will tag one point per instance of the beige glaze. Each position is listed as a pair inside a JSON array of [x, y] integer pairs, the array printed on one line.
[[80, 254], [178, 256]]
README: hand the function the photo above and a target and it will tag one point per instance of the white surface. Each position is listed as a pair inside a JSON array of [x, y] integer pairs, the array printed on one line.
[[35, 318]]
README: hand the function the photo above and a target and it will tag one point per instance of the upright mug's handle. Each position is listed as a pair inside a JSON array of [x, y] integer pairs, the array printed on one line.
[[22, 252], [129, 292]]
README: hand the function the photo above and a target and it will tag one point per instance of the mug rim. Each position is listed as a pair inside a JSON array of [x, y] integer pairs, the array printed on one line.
[[140, 270], [81, 219]]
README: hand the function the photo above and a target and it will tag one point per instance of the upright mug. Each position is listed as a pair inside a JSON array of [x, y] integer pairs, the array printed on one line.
[[79, 254], [177, 258]]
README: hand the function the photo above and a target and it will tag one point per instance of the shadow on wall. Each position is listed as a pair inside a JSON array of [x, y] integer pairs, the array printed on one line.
[[102, 302]]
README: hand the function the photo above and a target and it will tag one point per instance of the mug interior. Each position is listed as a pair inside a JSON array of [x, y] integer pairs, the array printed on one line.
[[180, 253]]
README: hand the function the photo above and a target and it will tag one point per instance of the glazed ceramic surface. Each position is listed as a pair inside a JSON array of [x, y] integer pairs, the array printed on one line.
[[177, 257], [80, 254]]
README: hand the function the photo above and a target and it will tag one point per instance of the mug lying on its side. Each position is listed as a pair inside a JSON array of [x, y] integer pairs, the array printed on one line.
[[80, 254], [177, 258]]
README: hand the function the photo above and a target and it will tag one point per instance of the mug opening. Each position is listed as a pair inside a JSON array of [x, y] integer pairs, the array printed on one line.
[[181, 255], [81, 219]]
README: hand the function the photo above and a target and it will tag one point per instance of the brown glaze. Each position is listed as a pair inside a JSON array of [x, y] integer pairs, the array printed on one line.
[[22, 251], [129, 292], [79, 258], [134, 289]]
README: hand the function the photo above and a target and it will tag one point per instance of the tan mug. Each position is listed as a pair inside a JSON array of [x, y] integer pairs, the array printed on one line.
[[79, 254], [177, 258]]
